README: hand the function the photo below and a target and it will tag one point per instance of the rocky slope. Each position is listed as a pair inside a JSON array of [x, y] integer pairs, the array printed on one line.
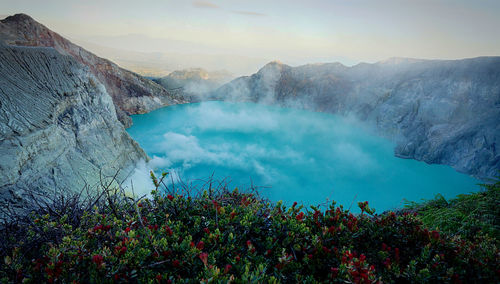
[[437, 111], [131, 93], [58, 126], [59, 129], [194, 83]]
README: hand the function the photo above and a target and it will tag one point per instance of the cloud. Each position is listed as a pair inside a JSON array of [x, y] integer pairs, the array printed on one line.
[[205, 4], [139, 183], [273, 148], [241, 120], [249, 13], [210, 5]]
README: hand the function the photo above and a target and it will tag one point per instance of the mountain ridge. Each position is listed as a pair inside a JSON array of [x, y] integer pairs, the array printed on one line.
[[131, 93], [437, 111], [63, 113], [58, 127]]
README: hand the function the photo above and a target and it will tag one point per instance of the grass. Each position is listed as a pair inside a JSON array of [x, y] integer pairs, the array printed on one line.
[[467, 215]]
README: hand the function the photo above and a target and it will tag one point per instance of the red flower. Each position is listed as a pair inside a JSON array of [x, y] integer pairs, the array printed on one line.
[[158, 277], [332, 230], [168, 230], [435, 235], [362, 257], [300, 216], [232, 215], [326, 250], [237, 258], [139, 205], [335, 271], [206, 230], [227, 268], [250, 246], [350, 225], [316, 214], [365, 277], [127, 230], [97, 259], [204, 257], [200, 245], [170, 197], [176, 263], [294, 204], [363, 205]]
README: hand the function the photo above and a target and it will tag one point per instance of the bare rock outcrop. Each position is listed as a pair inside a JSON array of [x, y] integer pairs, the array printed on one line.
[[58, 126], [131, 93]]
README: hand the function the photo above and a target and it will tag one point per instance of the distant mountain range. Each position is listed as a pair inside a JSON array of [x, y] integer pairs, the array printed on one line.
[[159, 64], [437, 111]]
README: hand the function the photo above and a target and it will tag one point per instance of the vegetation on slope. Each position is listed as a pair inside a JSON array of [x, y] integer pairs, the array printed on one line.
[[468, 215], [222, 235]]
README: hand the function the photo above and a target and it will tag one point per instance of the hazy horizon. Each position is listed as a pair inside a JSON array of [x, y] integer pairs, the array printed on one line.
[[242, 35]]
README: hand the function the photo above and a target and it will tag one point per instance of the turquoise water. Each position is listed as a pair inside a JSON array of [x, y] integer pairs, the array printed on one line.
[[296, 155]]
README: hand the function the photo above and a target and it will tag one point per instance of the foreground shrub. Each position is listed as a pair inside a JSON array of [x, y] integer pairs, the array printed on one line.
[[233, 236]]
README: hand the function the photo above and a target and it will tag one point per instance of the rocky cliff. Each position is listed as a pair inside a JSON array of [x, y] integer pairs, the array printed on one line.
[[58, 125], [131, 93], [437, 111]]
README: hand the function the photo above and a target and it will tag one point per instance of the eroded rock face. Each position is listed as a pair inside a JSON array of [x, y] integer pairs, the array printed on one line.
[[438, 111], [131, 93], [58, 125]]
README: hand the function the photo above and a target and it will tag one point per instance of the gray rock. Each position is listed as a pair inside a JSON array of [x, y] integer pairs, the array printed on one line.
[[437, 111], [131, 93], [58, 126]]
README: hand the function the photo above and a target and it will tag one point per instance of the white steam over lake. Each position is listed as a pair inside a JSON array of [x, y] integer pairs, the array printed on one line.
[[298, 155]]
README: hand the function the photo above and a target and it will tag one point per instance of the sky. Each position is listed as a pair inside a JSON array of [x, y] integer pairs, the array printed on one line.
[[294, 32]]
